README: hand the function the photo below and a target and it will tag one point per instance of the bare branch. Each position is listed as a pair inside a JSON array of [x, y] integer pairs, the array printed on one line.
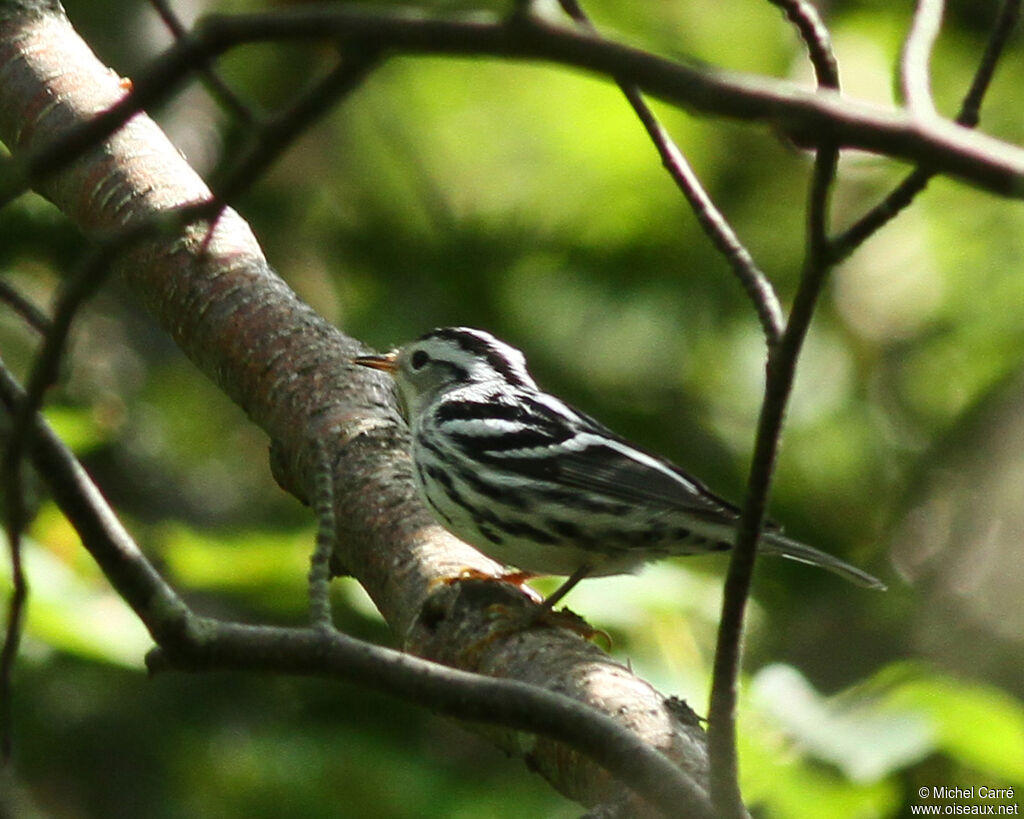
[[217, 85], [845, 243], [808, 117], [917, 54], [710, 218], [34, 317], [276, 135], [326, 531], [812, 31], [132, 576], [449, 691], [44, 373], [782, 361], [14, 514], [1005, 23], [781, 371]]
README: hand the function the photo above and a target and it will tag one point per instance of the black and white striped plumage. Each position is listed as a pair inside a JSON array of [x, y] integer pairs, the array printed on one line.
[[538, 485]]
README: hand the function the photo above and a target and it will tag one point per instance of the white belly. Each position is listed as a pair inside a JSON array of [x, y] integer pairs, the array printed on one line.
[[523, 551]]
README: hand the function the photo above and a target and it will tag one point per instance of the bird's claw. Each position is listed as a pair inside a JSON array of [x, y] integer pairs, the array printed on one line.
[[517, 579]]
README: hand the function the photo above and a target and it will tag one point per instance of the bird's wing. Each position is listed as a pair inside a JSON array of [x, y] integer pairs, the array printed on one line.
[[545, 439], [617, 470]]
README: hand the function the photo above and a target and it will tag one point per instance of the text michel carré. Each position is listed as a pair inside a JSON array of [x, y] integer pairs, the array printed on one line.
[[979, 792]]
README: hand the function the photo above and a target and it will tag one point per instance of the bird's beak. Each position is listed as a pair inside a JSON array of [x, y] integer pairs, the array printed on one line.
[[386, 362]]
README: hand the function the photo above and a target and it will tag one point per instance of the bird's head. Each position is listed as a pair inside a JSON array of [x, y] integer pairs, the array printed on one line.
[[448, 359]]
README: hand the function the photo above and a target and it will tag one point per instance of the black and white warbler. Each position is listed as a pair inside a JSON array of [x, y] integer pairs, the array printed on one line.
[[537, 485]]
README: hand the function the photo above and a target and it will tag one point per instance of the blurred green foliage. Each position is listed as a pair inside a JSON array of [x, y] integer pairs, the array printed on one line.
[[526, 199]]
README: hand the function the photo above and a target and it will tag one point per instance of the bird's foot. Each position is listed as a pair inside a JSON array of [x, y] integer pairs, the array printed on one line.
[[513, 620], [522, 617], [517, 579]]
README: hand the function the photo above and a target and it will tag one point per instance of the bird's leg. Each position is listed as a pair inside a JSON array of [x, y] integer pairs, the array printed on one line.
[[553, 598], [566, 619]]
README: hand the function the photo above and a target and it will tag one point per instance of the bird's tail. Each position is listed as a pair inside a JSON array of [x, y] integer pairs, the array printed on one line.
[[773, 543]]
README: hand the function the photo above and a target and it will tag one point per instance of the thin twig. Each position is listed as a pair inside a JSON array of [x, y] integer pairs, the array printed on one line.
[[1006, 21], [280, 132], [782, 360], [782, 363], [710, 218], [110, 545], [713, 222], [816, 38], [917, 53], [14, 515], [78, 289], [34, 317], [218, 86], [326, 531], [903, 194], [44, 373]]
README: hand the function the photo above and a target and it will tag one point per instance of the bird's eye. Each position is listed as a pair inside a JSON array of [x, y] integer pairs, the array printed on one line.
[[419, 359]]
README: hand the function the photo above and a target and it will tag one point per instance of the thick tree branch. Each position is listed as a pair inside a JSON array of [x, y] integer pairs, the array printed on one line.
[[809, 117], [211, 289]]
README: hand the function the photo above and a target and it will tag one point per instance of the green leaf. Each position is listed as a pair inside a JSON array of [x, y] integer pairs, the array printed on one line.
[[866, 740], [975, 723]]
